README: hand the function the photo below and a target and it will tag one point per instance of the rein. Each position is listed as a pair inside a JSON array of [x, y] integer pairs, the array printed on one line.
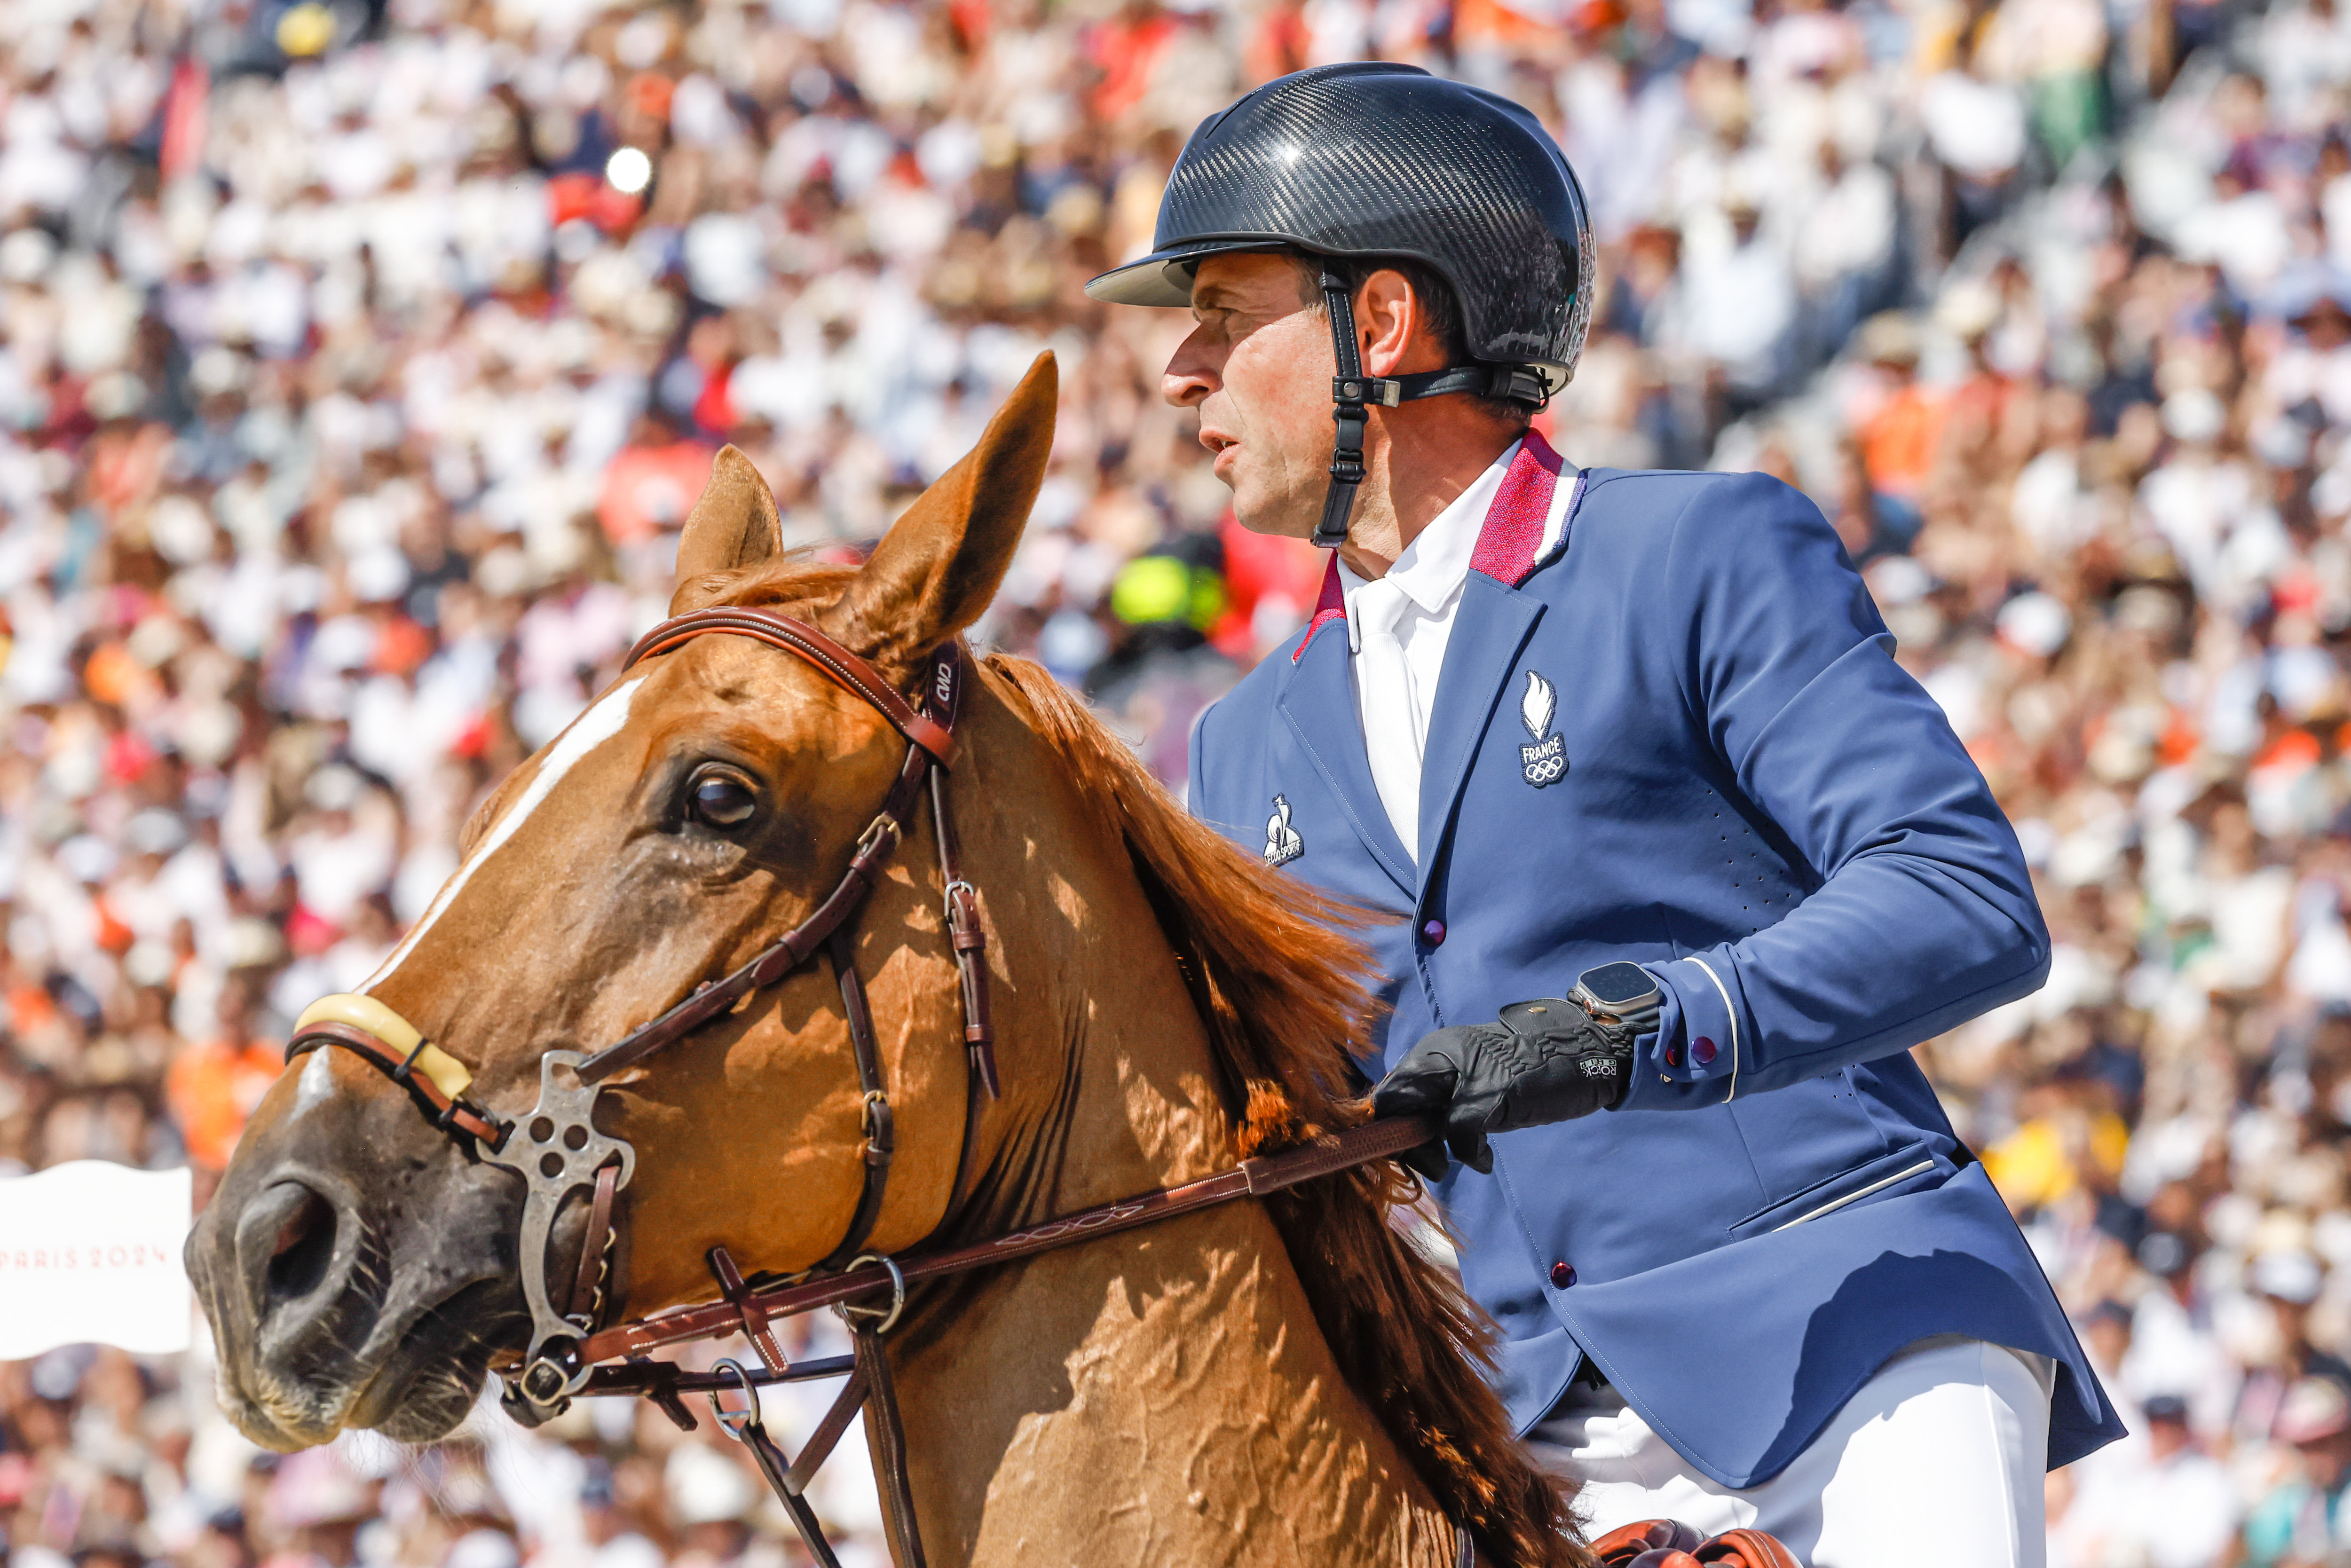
[[558, 1150]]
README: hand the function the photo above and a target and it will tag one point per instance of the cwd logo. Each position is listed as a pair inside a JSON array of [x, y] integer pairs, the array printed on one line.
[[1544, 762]]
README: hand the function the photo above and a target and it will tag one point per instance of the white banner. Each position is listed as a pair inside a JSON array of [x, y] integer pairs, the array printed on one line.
[[90, 1252]]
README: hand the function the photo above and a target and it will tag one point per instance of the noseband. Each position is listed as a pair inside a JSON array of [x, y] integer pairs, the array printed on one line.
[[558, 1150]]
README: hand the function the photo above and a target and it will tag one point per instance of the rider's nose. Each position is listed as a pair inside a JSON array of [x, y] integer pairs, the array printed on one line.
[[1189, 377], [1182, 388], [295, 1248]]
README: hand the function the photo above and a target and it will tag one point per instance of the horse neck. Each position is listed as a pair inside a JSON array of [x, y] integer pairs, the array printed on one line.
[[1160, 1396]]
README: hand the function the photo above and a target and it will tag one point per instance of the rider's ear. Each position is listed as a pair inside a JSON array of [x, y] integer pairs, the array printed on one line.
[[940, 563], [735, 525]]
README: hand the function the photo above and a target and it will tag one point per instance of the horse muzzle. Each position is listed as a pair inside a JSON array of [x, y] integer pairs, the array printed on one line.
[[356, 1266]]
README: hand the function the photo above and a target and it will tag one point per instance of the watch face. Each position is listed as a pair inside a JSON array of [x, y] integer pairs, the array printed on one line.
[[1619, 985]]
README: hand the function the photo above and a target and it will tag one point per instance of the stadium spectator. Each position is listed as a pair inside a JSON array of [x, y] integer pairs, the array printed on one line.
[[2166, 1503]]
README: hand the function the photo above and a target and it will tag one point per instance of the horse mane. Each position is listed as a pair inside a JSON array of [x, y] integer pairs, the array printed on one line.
[[1284, 990]]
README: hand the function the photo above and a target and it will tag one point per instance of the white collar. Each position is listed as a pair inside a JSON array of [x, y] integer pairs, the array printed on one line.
[[1433, 567]]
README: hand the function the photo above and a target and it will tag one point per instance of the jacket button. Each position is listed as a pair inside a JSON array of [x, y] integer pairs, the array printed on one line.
[[1433, 933], [1561, 1275], [1702, 1051]]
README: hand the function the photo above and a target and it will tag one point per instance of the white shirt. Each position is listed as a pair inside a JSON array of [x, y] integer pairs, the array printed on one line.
[[1430, 575]]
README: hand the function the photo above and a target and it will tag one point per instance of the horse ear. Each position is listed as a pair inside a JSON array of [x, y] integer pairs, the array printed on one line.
[[735, 524], [940, 563]]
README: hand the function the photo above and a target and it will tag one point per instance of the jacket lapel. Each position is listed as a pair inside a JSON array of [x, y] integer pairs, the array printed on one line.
[[1490, 629], [1319, 705]]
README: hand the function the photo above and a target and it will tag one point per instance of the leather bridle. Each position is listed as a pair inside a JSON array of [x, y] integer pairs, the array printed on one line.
[[558, 1150]]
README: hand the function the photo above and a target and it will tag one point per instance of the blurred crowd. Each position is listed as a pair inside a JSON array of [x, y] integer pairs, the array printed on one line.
[[358, 360]]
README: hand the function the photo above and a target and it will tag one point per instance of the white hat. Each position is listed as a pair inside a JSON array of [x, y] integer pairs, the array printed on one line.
[[704, 1486], [2289, 1274], [2193, 414], [483, 1549]]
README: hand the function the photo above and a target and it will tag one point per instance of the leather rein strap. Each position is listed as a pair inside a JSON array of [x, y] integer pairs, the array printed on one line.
[[1258, 1177]]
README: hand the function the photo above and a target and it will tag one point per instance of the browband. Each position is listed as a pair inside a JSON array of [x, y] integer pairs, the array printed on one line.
[[845, 669]]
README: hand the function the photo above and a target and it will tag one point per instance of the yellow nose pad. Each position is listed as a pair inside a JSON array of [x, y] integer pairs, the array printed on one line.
[[448, 1075]]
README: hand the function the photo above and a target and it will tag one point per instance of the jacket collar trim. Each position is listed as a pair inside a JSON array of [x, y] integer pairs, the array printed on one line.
[[1516, 522], [1330, 605]]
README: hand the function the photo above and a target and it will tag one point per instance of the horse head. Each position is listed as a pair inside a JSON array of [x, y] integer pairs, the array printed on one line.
[[358, 1265]]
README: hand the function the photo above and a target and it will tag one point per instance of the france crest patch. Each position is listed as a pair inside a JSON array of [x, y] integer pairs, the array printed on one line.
[[1544, 762]]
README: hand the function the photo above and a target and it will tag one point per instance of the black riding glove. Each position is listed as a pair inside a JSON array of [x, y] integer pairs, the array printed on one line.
[[1547, 1061]]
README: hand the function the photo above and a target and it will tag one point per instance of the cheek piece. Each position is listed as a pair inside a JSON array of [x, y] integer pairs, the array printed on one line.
[[1353, 393]]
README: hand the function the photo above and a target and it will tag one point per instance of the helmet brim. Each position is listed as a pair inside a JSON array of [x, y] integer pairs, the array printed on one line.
[[1165, 277], [1156, 279]]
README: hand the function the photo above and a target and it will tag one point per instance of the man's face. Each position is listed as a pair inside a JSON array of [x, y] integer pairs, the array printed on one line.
[[2326, 1458], [2293, 1323], [1258, 368], [2326, 326]]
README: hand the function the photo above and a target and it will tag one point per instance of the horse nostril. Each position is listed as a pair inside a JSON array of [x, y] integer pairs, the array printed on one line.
[[305, 1246]]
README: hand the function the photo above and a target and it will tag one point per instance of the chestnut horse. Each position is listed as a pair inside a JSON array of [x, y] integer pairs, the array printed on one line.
[[1275, 1381]]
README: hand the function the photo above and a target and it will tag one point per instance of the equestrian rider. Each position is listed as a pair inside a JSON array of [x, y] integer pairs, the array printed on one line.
[[1684, 860]]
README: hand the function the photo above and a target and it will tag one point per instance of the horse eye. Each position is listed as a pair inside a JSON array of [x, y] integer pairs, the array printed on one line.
[[723, 801]]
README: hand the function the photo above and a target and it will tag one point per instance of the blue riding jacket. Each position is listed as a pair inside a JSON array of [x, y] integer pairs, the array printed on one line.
[[1759, 806]]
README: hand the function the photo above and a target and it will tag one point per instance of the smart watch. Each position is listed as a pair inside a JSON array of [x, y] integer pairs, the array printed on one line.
[[1625, 993]]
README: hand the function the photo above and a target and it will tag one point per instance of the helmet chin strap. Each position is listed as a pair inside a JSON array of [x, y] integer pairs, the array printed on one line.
[[1348, 414], [1353, 393]]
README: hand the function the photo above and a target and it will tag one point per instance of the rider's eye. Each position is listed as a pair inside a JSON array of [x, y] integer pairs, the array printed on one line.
[[723, 801]]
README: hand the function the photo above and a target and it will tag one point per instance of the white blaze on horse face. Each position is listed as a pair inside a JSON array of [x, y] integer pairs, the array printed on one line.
[[589, 731]]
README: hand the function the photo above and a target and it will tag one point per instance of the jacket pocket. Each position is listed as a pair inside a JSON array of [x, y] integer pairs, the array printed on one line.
[[1913, 1167]]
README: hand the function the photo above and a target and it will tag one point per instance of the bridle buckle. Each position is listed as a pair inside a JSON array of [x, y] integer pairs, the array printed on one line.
[[882, 827]]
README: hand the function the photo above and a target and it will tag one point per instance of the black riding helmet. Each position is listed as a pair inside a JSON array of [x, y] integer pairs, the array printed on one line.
[[1380, 160]]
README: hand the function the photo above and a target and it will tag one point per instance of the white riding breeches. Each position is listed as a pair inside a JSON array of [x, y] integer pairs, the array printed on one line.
[[1936, 1463]]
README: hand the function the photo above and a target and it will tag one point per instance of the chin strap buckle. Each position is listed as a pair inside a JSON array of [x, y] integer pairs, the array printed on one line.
[[1521, 383]]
